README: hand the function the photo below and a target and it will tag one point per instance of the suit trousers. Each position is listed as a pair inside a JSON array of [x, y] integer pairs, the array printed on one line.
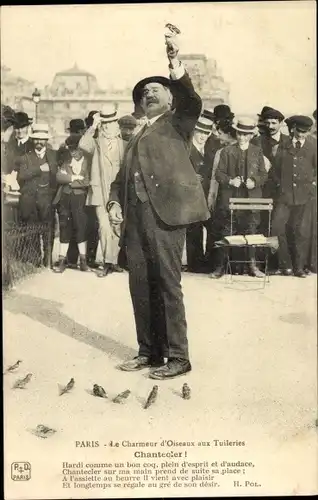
[[92, 238], [154, 254], [108, 240], [194, 245], [36, 209], [296, 215], [72, 217]]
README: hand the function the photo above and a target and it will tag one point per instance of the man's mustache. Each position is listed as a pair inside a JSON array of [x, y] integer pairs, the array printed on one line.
[[152, 100]]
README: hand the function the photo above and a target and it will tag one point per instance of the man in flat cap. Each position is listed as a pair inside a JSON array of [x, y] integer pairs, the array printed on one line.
[[294, 172], [155, 196], [127, 126]]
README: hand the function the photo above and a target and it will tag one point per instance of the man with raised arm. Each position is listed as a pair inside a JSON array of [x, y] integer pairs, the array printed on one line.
[[155, 195]]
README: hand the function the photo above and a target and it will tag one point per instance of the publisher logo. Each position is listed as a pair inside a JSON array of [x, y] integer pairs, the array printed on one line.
[[20, 471]]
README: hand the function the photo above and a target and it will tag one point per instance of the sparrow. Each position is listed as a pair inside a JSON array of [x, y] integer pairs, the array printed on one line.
[[152, 397], [12, 368], [21, 383], [99, 391], [43, 431], [68, 387], [121, 397], [186, 392], [173, 29]]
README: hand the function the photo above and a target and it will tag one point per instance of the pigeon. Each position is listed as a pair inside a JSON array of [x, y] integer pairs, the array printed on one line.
[[186, 392], [43, 431], [152, 397], [99, 391], [14, 367], [68, 387], [174, 30], [21, 383], [121, 397]]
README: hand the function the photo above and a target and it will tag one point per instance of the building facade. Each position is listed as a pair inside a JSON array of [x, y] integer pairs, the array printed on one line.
[[207, 79], [74, 92]]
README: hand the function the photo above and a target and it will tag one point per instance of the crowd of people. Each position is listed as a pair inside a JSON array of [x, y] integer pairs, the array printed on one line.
[[232, 157], [154, 186]]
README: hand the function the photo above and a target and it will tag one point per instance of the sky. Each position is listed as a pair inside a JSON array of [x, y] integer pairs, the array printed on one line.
[[266, 51]]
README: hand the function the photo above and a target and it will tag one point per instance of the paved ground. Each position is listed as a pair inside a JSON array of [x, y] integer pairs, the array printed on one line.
[[254, 379]]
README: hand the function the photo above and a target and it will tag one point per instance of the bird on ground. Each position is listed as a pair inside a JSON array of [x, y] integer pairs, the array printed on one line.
[[186, 392], [14, 367], [173, 28], [21, 383], [68, 387], [121, 397], [43, 431], [99, 391], [152, 397]]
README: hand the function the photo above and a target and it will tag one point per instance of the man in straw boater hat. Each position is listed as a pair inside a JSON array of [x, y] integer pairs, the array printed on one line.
[[37, 179], [194, 235], [103, 142], [295, 173], [241, 173], [154, 197]]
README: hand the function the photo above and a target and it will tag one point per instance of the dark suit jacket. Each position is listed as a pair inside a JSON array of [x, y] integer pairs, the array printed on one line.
[[227, 169], [163, 155], [295, 173], [64, 180], [14, 153], [270, 151], [197, 160], [29, 172]]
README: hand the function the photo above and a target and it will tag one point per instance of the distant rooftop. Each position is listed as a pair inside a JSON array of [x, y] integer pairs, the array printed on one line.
[[75, 71], [193, 56]]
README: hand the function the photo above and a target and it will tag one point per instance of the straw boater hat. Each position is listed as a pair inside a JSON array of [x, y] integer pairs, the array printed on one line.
[[108, 113], [204, 125], [245, 124], [40, 131]]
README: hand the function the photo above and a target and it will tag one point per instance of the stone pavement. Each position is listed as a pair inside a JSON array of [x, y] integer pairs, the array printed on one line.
[[254, 357]]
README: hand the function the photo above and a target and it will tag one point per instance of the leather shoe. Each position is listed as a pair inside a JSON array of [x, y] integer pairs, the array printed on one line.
[[174, 368], [286, 272], [218, 273], [138, 363], [106, 271], [300, 273], [255, 272]]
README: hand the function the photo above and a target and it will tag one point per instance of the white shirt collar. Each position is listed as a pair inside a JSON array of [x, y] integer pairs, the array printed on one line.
[[276, 136], [150, 121], [244, 147], [22, 141], [302, 141], [41, 153]]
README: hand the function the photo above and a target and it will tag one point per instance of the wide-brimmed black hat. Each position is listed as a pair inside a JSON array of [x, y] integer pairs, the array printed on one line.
[[315, 114], [271, 114], [21, 120], [222, 111], [76, 125], [137, 91]]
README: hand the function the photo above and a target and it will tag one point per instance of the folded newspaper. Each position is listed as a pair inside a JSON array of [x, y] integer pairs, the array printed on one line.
[[249, 239]]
